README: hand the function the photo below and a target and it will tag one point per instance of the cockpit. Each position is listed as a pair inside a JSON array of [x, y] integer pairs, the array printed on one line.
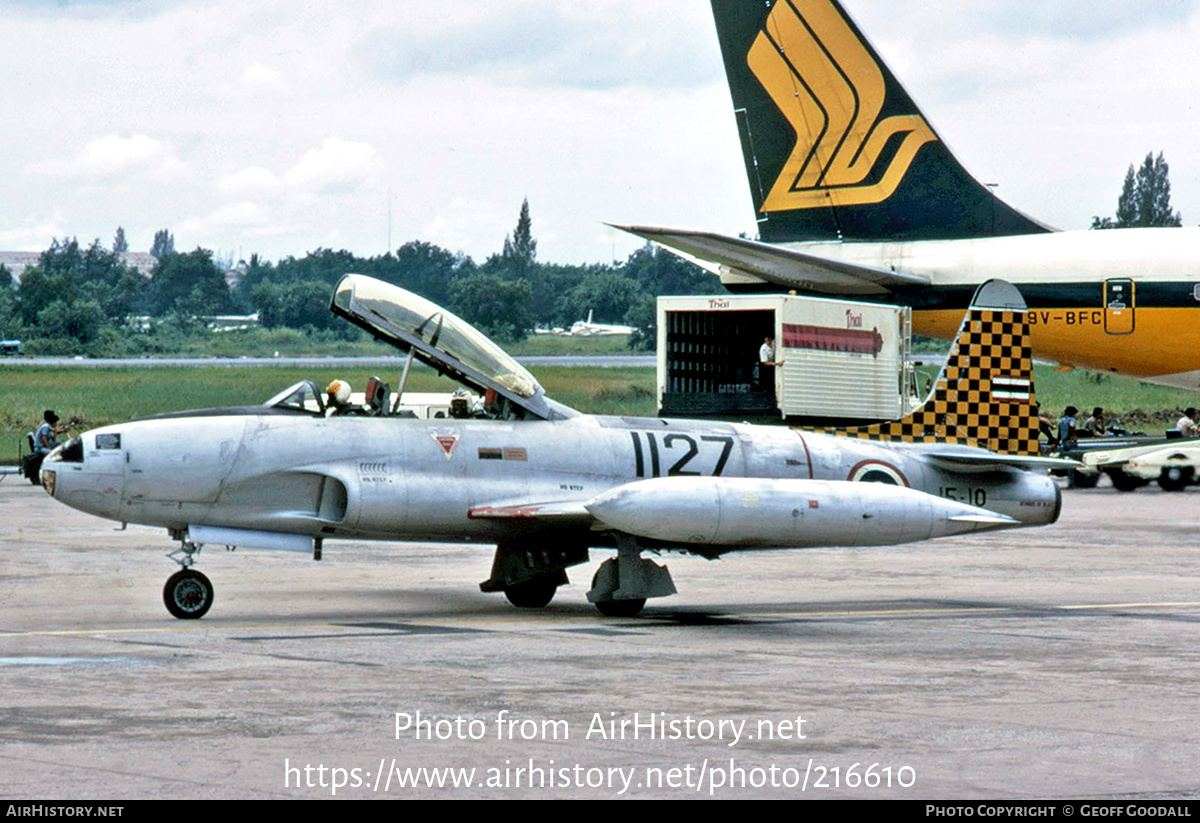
[[446, 342], [378, 401], [301, 397]]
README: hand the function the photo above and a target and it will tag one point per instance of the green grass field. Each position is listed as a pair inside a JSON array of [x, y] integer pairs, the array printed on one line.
[[96, 396], [295, 343]]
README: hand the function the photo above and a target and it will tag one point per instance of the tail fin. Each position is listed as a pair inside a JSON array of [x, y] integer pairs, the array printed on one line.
[[984, 393], [834, 146]]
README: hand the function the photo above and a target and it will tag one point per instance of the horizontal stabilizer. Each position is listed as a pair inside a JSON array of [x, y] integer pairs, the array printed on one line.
[[1015, 461], [788, 268]]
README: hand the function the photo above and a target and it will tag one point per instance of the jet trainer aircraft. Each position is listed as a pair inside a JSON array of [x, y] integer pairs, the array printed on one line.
[[547, 483], [856, 194]]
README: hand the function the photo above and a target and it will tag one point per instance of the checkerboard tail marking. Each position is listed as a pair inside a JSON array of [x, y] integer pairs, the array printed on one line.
[[984, 394]]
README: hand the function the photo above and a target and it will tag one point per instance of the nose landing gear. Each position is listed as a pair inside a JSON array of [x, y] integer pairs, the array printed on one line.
[[188, 594]]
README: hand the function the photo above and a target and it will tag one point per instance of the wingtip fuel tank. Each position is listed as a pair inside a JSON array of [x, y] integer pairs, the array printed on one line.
[[765, 513]]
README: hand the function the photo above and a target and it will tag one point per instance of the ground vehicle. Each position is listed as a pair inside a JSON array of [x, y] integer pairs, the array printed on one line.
[[843, 362], [1174, 463]]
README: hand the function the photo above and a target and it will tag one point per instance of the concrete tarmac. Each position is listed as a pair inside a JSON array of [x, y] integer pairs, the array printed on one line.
[[1056, 662]]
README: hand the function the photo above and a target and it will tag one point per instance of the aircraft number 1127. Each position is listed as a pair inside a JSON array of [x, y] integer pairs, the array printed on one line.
[[681, 448]]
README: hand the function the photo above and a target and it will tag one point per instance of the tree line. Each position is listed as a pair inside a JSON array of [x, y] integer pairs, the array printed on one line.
[[84, 300]]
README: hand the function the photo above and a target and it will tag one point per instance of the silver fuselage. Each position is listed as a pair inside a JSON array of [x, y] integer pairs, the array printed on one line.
[[409, 479]]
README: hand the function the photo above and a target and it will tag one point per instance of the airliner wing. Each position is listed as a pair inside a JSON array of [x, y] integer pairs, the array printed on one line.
[[784, 267]]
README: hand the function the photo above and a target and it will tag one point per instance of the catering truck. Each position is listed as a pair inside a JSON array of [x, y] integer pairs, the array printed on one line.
[[839, 362]]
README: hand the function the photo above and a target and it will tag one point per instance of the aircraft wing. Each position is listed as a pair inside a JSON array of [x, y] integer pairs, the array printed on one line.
[[789, 268], [560, 512], [985, 459]]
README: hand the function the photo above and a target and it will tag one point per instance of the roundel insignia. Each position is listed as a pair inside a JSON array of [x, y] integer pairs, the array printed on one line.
[[876, 471]]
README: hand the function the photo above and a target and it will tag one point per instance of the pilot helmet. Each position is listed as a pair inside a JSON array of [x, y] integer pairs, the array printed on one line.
[[338, 391]]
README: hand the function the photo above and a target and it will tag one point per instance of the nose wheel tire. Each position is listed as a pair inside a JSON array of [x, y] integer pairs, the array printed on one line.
[[188, 594]]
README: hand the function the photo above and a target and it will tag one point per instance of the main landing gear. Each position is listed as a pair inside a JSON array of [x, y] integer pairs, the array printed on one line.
[[533, 594], [622, 585], [188, 594], [529, 575]]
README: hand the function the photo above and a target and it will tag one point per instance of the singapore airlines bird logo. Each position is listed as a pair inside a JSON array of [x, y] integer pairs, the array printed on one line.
[[825, 82]]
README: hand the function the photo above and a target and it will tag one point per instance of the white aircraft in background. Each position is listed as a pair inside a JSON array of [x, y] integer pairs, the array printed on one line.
[[587, 327]]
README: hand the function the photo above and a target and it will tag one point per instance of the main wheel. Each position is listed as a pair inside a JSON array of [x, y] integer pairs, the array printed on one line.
[[1174, 478], [1124, 482], [621, 608], [188, 594], [532, 594], [1082, 480]]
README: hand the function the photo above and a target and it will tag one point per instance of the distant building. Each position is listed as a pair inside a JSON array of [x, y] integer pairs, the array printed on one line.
[[234, 275], [18, 261]]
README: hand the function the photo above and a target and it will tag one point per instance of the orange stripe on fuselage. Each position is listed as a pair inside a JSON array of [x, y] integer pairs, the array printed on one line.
[[1163, 341]]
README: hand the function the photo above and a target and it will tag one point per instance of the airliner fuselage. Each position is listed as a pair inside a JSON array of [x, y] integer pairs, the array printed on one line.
[[1125, 300]]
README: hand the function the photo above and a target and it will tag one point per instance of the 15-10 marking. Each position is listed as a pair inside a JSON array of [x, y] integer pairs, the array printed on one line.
[[975, 497]]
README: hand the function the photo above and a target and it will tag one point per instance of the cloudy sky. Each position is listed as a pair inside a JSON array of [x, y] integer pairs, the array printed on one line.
[[278, 127]]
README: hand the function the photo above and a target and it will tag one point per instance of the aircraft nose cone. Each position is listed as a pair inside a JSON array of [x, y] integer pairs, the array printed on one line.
[[73, 478], [48, 474]]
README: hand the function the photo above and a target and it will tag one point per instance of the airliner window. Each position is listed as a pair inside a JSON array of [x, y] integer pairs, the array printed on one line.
[[302, 396]]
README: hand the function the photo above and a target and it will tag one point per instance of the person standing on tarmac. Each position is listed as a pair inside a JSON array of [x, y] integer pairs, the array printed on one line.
[[1066, 429], [766, 365]]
